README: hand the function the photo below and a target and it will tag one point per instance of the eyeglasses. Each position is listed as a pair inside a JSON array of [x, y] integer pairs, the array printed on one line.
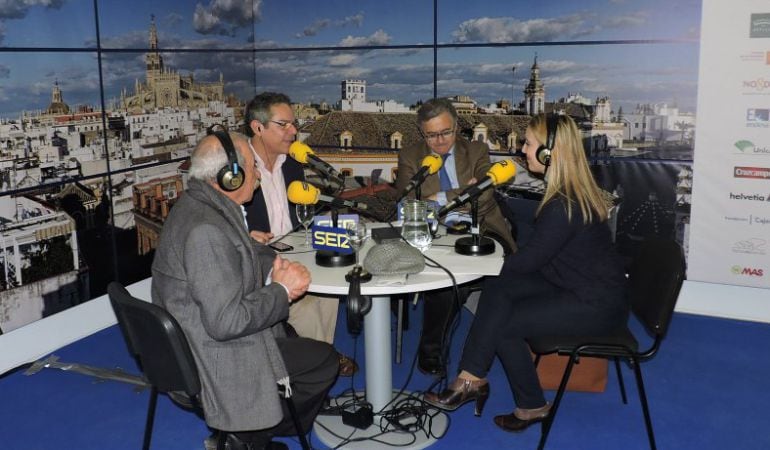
[[433, 137], [284, 124]]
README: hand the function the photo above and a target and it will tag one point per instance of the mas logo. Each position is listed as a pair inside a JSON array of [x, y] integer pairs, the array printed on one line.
[[747, 271], [760, 25]]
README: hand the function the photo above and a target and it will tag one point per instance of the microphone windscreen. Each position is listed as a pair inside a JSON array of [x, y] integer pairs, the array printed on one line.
[[299, 151], [394, 258], [302, 193], [432, 162], [502, 171]]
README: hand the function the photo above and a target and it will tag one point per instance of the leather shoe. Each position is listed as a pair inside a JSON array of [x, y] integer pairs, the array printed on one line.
[[348, 366], [511, 423], [459, 393], [430, 365]]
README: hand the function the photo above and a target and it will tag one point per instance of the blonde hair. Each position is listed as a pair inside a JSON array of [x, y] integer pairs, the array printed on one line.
[[569, 176]]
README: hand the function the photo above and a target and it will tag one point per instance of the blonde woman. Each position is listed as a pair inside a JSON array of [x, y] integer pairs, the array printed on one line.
[[567, 280]]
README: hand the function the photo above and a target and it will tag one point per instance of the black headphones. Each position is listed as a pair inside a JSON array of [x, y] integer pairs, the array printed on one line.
[[543, 153], [230, 177], [357, 305]]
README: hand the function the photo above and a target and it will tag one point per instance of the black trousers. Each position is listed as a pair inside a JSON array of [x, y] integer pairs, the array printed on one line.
[[313, 367], [514, 308], [439, 310]]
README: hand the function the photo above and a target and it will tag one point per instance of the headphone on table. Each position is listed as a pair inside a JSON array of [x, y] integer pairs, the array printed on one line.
[[543, 153], [230, 177]]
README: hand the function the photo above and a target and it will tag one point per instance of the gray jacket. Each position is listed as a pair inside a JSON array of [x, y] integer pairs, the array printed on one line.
[[210, 275]]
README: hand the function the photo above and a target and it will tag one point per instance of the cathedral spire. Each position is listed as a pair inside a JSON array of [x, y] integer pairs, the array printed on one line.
[[153, 33]]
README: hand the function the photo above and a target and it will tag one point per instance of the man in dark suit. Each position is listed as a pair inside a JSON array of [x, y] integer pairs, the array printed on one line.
[[271, 128], [464, 163]]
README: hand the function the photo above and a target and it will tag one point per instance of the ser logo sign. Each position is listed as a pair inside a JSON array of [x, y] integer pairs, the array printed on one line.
[[331, 239]]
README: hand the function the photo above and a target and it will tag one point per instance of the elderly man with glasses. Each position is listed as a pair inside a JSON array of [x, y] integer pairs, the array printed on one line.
[[271, 127], [464, 163]]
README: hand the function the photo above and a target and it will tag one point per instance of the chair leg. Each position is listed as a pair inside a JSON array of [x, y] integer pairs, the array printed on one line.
[[643, 400], [150, 418], [295, 418], [548, 422], [621, 383]]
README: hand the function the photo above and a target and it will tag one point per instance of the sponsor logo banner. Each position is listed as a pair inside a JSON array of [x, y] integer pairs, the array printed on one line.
[[762, 173], [750, 246], [760, 25], [751, 197], [756, 86], [748, 219], [758, 117], [747, 271], [749, 148]]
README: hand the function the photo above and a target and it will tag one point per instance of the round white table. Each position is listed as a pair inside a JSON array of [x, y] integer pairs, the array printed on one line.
[[377, 333]]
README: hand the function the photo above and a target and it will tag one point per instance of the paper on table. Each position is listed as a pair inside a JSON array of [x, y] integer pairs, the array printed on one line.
[[389, 280]]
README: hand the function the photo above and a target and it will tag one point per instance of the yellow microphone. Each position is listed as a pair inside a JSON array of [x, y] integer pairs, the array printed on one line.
[[303, 154], [499, 173], [304, 193], [429, 165]]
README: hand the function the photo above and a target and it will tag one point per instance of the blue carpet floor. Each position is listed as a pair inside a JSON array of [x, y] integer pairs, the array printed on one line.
[[707, 389]]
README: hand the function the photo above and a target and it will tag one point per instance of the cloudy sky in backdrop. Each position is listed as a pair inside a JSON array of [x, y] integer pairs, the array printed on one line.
[[286, 35]]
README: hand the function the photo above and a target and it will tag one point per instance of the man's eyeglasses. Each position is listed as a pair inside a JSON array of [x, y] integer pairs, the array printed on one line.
[[433, 137], [284, 124]]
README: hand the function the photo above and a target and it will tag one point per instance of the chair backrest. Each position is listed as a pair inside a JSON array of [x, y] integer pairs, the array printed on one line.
[[655, 278], [157, 341]]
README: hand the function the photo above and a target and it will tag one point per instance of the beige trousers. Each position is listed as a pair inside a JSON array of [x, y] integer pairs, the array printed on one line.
[[315, 317]]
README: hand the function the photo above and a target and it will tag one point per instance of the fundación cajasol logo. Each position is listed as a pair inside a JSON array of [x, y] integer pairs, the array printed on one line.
[[760, 25], [749, 148], [762, 173]]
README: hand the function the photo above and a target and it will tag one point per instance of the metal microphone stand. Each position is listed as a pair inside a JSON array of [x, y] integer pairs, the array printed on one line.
[[475, 244]]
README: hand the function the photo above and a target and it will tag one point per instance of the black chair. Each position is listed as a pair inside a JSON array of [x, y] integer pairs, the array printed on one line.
[[161, 349], [655, 278]]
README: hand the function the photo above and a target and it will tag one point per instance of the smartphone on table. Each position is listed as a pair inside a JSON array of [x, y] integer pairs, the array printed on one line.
[[281, 247]]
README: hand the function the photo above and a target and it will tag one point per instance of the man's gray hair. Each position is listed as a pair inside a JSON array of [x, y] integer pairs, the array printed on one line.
[[434, 108], [209, 158], [259, 109]]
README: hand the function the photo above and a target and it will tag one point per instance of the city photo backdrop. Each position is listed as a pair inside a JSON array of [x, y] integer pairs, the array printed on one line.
[[101, 103]]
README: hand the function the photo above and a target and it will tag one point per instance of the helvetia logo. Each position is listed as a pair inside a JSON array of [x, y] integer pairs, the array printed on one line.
[[752, 197], [760, 25], [747, 271], [751, 172], [749, 148]]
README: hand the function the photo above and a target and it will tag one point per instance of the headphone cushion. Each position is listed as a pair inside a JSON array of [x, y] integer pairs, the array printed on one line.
[[543, 155], [228, 180]]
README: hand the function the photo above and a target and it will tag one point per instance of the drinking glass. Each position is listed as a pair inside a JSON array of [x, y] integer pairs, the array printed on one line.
[[305, 215], [415, 228], [357, 236]]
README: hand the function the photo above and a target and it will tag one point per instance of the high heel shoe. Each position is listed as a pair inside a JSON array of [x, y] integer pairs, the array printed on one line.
[[512, 423], [459, 393]]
